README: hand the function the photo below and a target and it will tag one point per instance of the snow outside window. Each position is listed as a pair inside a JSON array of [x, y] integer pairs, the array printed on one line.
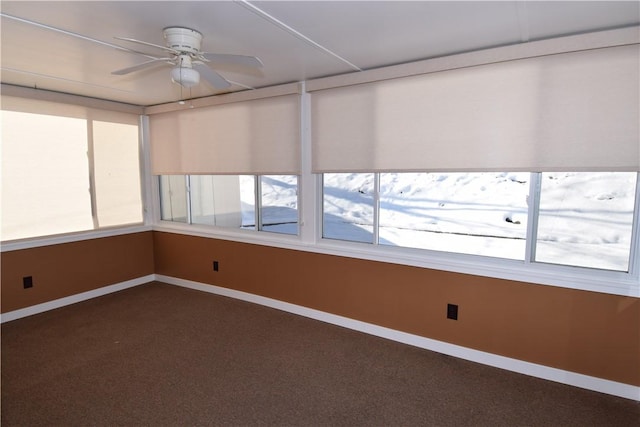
[[348, 206], [471, 213], [586, 219], [279, 207], [581, 219]]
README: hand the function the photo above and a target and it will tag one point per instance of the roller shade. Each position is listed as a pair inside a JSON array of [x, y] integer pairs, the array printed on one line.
[[569, 111], [258, 136], [67, 167]]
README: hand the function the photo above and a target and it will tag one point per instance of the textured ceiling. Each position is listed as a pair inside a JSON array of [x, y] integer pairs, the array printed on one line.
[[69, 46]]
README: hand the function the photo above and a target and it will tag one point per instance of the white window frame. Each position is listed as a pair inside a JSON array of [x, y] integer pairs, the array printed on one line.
[[600, 278], [146, 188], [258, 215]]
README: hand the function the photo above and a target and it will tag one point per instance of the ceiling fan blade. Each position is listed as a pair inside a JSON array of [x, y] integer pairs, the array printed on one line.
[[212, 77], [140, 66], [223, 58], [137, 52], [168, 49]]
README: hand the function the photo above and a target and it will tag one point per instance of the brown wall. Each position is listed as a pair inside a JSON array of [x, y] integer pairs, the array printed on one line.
[[71, 268], [585, 332]]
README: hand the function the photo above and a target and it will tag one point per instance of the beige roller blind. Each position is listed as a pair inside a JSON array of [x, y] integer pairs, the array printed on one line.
[[67, 167], [570, 111], [259, 136]]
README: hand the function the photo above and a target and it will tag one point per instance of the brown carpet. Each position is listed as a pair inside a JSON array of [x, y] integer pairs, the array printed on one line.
[[160, 355]]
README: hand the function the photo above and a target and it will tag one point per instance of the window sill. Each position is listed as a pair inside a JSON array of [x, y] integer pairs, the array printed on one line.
[[34, 242]]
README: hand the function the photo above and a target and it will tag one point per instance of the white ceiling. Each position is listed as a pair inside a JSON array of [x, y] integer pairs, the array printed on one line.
[[68, 46]]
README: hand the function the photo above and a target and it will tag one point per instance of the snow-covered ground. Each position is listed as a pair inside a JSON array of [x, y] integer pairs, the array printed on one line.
[[585, 219]]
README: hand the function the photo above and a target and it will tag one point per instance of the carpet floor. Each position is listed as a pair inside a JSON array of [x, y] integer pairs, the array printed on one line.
[[161, 355]]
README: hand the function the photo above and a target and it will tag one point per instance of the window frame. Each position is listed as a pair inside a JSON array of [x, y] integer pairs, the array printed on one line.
[[309, 239], [258, 207], [533, 212]]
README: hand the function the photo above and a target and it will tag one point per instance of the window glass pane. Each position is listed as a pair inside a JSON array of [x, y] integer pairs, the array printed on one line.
[[248, 201], [471, 213], [117, 173], [586, 219], [173, 198], [220, 200], [348, 206], [279, 203], [45, 175]]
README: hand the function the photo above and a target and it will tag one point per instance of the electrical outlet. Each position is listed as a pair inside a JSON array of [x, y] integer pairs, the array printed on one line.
[[27, 282], [452, 311], [216, 265]]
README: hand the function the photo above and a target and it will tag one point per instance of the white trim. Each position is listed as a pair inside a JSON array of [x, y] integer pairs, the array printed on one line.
[[15, 245], [574, 43], [66, 98], [295, 33], [72, 299], [146, 179], [227, 98], [307, 183], [532, 369]]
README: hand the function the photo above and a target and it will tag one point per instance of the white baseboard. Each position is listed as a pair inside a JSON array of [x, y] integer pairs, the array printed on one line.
[[540, 371], [72, 299], [532, 369]]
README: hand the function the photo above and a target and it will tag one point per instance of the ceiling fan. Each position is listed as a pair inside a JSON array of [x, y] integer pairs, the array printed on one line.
[[189, 63]]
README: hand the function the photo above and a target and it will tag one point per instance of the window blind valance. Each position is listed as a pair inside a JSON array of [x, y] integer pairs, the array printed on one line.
[[258, 136], [569, 111]]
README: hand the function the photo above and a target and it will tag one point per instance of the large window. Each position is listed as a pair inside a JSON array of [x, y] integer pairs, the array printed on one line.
[[67, 169], [250, 202], [583, 219]]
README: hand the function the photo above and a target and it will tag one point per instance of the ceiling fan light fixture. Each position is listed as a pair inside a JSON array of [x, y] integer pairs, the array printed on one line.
[[186, 77]]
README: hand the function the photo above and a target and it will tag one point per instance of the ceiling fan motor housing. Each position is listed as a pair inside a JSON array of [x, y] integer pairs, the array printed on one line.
[[183, 39]]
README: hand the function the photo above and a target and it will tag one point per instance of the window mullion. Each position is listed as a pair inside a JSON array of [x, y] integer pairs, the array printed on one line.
[[376, 208], [258, 201], [634, 264], [532, 217], [92, 174], [187, 183]]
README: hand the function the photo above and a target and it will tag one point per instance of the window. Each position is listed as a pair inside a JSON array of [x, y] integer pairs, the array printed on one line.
[[472, 213], [582, 219], [67, 169], [116, 166], [222, 200], [279, 203], [585, 219], [348, 206], [173, 198], [232, 201]]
